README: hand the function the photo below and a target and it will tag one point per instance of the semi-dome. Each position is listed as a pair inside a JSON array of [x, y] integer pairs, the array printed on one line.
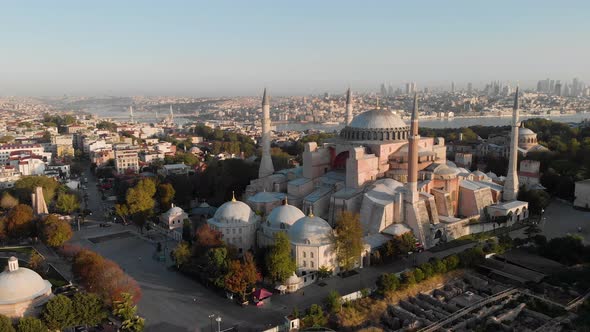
[[284, 215], [376, 125], [377, 119], [19, 284], [233, 210], [310, 230]]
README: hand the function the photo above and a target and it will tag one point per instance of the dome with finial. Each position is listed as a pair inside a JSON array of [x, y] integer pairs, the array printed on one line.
[[310, 230], [376, 125], [21, 285], [284, 216], [234, 211]]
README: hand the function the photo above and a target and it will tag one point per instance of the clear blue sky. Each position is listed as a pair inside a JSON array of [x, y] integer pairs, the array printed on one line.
[[237, 47]]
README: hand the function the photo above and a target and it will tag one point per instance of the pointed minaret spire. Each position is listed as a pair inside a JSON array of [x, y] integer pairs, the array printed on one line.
[[348, 107], [412, 185], [511, 182], [233, 196], [266, 167]]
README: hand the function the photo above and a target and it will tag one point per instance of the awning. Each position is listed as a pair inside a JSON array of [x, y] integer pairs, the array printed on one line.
[[261, 294]]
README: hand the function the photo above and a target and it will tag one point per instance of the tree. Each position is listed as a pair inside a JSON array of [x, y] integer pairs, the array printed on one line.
[[427, 269], [408, 278], [418, 274], [451, 262], [140, 201], [387, 282], [182, 254], [30, 324], [19, 221], [279, 262], [25, 186], [88, 309], [334, 302], [126, 310], [122, 210], [56, 232], [8, 201], [6, 324], [217, 263], [404, 243], [235, 281], [315, 317], [166, 194], [206, 238], [347, 240], [59, 313], [67, 203], [532, 230], [36, 261], [251, 274]]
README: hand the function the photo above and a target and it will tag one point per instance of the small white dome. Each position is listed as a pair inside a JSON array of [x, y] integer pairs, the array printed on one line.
[[19, 284], [310, 230], [234, 210], [175, 211], [525, 132], [284, 214]]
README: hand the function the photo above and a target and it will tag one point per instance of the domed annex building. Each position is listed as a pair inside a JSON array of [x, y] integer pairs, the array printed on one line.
[[237, 223], [527, 141], [280, 219], [396, 180], [22, 291], [174, 218]]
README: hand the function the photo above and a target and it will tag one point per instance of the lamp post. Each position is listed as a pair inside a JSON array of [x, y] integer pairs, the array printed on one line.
[[218, 320], [211, 321]]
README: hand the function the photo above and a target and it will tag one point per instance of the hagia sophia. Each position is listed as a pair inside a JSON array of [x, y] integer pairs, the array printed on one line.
[[380, 168]]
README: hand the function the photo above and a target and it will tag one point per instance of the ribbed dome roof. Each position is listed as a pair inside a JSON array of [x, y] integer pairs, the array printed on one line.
[[377, 119], [233, 210], [310, 230], [21, 284], [284, 214], [525, 131]]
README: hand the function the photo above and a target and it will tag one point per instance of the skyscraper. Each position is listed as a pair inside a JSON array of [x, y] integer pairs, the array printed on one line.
[[469, 87], [383, 90], [452, 87]]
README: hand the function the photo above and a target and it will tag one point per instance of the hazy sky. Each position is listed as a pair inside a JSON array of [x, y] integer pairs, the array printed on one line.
[[218, 47]]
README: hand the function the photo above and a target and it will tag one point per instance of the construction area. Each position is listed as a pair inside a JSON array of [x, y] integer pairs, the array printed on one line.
[[505, 293]]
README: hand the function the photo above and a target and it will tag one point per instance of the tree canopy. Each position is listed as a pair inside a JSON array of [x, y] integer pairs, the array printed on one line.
[[59, 313], [347, 240], [279, 262], [67, 203], [25, 186], [56, 232]]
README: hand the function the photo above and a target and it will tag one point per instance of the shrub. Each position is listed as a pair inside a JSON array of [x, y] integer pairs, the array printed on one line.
[[334, 302], [408, 278], [418, 274], [387, 282], [451, 262], [427, 269]]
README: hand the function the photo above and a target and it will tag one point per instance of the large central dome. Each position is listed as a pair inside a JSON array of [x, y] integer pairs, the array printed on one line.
[[377, 119], [376, 125]]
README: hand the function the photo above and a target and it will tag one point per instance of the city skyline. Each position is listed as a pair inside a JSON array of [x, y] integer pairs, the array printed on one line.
[[225, 49]]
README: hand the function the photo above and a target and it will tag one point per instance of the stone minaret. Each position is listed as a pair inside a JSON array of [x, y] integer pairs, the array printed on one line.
[[511, 183], [171, 114], [412, 185], [131, 114], [348, 107], [266, 167]]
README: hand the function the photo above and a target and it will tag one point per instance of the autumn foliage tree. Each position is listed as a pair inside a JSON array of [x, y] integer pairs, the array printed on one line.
[[140, 201], [241, 276], [166, 194], [103, 277], [55, 232], [19, 221], [206, 238]]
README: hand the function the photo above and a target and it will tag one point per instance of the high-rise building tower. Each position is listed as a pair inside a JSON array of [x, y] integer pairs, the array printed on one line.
[[348, 107], [469, 87], [452, 87], [131, 114], [511, 182], [266, 166]]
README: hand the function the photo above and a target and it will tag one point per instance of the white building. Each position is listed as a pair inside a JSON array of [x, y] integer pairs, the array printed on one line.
[[7, 149], [280, 219], [126, 159], [237, 224], [174, 217], [8, 176], [311, 244]]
